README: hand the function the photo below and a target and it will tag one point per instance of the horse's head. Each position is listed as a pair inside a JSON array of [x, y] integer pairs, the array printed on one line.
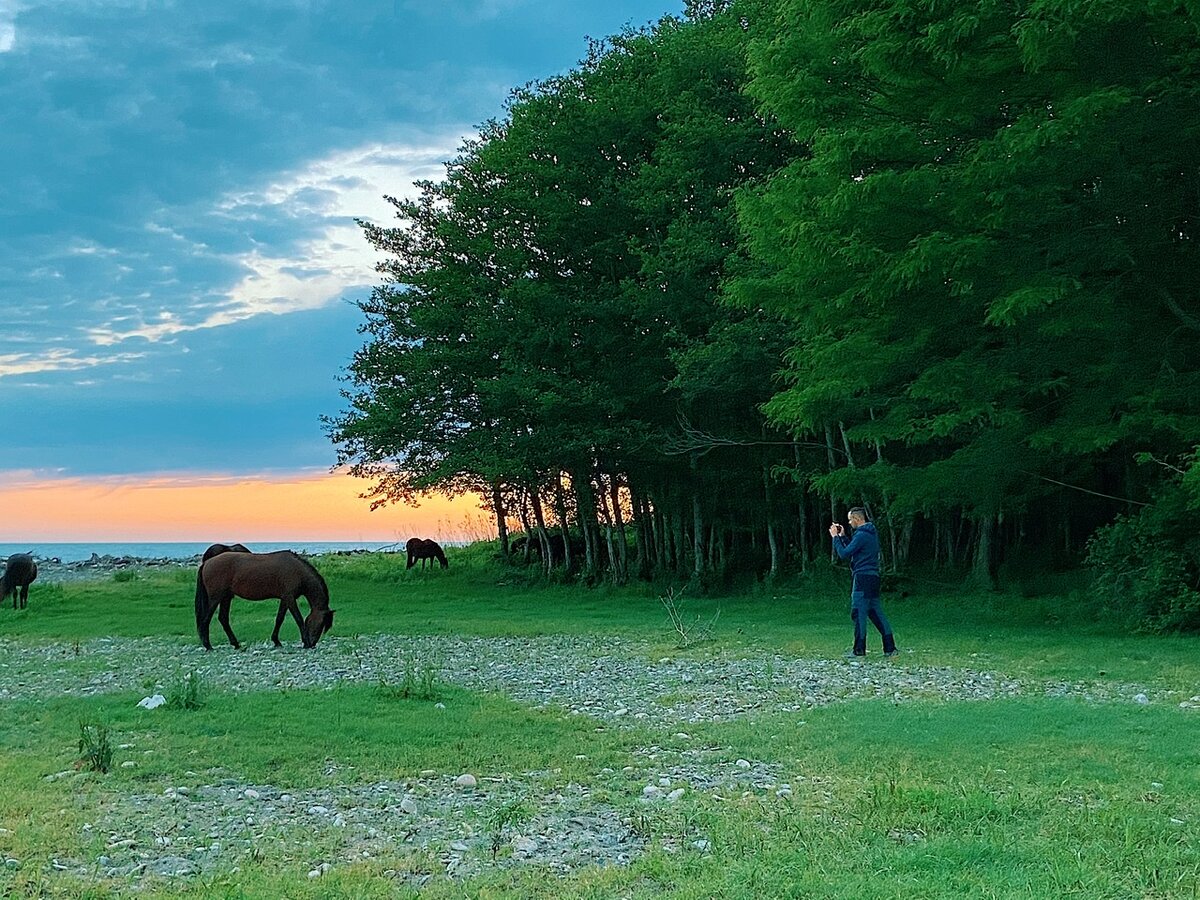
[[316, 624]]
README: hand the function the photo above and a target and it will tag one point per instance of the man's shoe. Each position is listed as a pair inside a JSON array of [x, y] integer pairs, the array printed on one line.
[[889, 654], [850, 654]]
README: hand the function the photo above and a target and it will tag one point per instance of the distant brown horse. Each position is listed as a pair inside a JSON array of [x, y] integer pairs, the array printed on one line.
[[18, 574], [423, 550], [262, 576]]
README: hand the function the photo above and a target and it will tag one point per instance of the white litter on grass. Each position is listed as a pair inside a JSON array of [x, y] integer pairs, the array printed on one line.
[[153, 702]]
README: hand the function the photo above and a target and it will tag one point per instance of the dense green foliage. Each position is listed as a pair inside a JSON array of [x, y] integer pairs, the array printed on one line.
[[741, 269]]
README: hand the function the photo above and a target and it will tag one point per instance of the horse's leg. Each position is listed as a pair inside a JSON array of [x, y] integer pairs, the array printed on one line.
[[205, 620], [223, 618], [24, 596], [279, 622], [295, 608]]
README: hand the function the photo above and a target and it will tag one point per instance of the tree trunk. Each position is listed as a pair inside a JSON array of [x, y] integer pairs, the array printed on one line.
[[802, 516], [772, 538], [586, 505], [560, 502], [833, 516], [540, 520], [501, 517], [619, 519], [697, 521], [601, 495], [983, 571], [523, 512]]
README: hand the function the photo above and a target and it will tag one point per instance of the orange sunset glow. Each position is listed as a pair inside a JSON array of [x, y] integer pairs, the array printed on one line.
[[305, 506]]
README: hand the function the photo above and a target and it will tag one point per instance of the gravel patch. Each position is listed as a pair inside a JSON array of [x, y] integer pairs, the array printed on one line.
[[610, 678], [413, 830]]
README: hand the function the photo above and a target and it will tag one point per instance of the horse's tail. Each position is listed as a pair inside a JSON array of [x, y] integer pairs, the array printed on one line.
[[201, 602]]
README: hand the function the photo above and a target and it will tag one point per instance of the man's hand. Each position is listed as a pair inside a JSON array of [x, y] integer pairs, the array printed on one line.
[[835, 530]]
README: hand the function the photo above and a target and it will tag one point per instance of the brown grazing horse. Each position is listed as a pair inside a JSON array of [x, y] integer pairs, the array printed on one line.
[[217, 549], [18, 574], [423, 550], [262, 576]]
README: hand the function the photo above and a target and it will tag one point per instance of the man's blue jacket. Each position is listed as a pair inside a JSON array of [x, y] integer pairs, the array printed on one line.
[[862, 549]]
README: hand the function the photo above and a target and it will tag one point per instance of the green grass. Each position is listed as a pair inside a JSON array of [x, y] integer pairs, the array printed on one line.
[[1031, 797]]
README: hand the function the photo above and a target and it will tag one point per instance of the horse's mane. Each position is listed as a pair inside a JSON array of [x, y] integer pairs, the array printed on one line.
[[312, 570]]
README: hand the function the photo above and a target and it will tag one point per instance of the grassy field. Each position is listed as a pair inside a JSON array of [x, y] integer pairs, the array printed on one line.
[[1033, 796]]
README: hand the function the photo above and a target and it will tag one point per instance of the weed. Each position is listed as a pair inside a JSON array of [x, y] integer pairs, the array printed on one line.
[[188, 692], [125, 575], [687, 633], [413, 685], [96, 752], [502, 817]]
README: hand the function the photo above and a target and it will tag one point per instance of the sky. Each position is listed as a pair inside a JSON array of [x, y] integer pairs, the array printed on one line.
[[179, 259]]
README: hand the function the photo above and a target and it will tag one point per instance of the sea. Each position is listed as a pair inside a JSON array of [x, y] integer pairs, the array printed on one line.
[[78, 552]]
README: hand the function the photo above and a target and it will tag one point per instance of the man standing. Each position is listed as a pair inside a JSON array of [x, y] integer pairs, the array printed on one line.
[[865, 603]]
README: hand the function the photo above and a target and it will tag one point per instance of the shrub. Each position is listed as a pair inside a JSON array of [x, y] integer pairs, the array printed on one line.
[[1147, 565]]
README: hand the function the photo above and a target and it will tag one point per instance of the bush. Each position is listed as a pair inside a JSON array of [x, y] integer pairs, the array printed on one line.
[[1147, 565]]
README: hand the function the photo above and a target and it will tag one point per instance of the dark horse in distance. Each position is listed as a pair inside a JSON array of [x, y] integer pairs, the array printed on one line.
[[18, 574], [423, 550], [262, 576]]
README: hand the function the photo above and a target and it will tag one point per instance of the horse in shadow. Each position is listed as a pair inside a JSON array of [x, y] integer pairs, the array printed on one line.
[[424, 550], [19, 573], [262, 576]]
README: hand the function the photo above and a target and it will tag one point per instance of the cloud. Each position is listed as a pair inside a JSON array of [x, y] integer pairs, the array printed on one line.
[[56, 360], [8, 24], [320, 199]]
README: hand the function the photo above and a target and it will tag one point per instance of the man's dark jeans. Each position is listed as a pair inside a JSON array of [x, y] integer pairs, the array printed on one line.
[[866, 604]]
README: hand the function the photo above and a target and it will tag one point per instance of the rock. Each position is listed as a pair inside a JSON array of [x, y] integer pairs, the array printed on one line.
[[701, 845], [676, 794], [466, 780], [652, 792], [318, 810], [11, 863], [172, 866], [1141, 699], [409, 805], [525, 845], [459, 847], [743, 764], [250, 793]]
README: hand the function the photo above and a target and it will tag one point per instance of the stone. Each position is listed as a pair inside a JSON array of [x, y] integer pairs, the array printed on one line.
[[172, 867], [1141, 699], [409, 805], [466, 780]]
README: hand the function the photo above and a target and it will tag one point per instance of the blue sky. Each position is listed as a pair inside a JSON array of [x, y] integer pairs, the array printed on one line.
[[178, 184]]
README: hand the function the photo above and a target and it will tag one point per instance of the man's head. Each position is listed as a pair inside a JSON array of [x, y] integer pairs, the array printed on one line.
[[857, 517]]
